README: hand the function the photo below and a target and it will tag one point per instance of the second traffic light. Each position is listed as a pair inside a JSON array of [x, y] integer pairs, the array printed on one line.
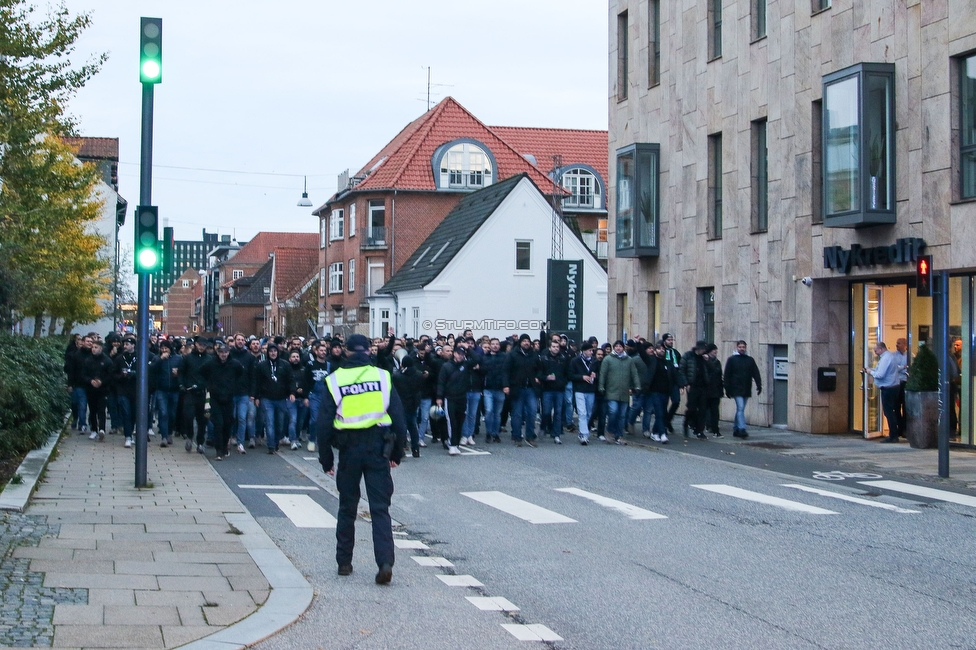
[[147, 239], [923, 276], [151, 51]]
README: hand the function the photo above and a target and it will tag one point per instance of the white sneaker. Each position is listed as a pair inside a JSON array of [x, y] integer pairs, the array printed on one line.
[[151, 432], [240, 449], [453, 451], [295, 446], [655, 437], [128, 443], [557, 440], [423, 443], [664, 438], [93, 436]]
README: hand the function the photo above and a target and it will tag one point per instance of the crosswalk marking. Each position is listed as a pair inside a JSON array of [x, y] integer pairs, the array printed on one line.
[[460, 581], [468, 451], [532, 632], [303, 511], [632, 512], [522, 509], [309, 488], [845, 497], [758, 497], [409, 543], [918, 490], [423, 560], [492, 604]]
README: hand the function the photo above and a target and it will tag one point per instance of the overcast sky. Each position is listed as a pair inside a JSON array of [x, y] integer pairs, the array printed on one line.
[[294, 87]]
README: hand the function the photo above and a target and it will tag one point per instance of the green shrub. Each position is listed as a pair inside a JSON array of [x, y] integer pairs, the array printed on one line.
[[33, 393], [924, 371]]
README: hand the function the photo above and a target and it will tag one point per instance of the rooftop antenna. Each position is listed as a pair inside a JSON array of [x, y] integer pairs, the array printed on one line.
[[557, 214], [429, 86]]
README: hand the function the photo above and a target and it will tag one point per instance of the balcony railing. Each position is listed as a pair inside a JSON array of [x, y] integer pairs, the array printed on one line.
[[372, 238]]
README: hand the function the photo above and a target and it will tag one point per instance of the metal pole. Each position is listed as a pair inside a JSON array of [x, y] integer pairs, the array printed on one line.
[[940, 318], [142, 343]]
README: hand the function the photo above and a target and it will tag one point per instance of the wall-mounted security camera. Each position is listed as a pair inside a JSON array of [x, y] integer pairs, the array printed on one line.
[[807, 281]]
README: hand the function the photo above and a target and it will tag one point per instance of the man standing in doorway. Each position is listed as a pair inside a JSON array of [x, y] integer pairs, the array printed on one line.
[[886, 379], [740, 372], [901, 361]]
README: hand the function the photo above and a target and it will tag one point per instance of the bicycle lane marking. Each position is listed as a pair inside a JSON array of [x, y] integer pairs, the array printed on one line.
[[918, 490], [845, 497]]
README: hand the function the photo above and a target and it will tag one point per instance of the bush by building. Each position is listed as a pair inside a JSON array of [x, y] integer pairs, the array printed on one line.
[[33, 394]]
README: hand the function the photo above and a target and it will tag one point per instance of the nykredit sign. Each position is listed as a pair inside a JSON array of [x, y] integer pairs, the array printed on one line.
[[903, 251]]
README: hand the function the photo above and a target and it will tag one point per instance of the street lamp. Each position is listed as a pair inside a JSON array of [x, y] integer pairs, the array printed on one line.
[[305, 202]]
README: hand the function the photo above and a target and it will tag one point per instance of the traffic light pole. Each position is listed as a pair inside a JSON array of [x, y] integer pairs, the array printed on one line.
[[142, 342], [940, 318]]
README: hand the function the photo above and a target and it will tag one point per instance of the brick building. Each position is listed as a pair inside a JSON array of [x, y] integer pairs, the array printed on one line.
[[178, 303]]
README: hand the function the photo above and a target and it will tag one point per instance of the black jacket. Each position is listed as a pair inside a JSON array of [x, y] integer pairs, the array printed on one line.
[[191, 378], [272, 379], [161, 373], [223, 377], [555, 366], [301, 380], [494, 368], [430, 364], [659, 376], [73, 362], [580, 367], [124, 374], [713, 378], [454, 380], [409, 382], [96, 367], [250, 362], [692, 370], [523, 370], [740, 372]]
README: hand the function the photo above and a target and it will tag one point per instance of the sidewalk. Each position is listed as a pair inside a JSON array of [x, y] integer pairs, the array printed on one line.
[[144, 568]]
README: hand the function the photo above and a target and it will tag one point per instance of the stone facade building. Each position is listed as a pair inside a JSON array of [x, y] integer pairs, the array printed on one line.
[[775, 169]]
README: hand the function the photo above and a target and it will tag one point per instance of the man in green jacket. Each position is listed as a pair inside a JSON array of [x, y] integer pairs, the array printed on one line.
[[618, 379]]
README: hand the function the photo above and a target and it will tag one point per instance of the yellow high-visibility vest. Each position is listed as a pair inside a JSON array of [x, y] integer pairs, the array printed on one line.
[[362, 397]]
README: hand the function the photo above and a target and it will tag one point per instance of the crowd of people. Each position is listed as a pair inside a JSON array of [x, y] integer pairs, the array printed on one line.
[[236, 392]]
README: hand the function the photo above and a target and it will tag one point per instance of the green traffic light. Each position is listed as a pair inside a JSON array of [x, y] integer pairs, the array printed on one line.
[[150, 70], [151, 51], [148, 259]]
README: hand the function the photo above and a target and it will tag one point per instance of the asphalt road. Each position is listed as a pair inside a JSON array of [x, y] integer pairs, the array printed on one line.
[[691, 567]]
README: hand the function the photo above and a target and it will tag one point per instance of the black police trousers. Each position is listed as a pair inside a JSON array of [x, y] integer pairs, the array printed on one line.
[[363, 459]]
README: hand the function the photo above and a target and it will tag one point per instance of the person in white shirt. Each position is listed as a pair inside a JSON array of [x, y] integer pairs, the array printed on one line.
[[886, 378], [901, 360]]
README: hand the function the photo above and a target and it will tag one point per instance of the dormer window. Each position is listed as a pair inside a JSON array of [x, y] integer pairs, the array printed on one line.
[[584, 187], [463, 164]]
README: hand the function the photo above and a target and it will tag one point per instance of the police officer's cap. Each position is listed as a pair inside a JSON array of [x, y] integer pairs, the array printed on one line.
[[357, 343]]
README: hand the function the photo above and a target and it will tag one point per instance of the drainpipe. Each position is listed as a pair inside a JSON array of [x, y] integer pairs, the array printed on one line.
[[396, 318]]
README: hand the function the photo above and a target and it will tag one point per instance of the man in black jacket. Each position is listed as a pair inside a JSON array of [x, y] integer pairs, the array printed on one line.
[[552, 368], [660, 377], [223, 376], [494, 367], [194, 388], [452, 393], [163, 372], [740, 371], [125, 387], [272, 388], [429, 369], [243, 403], [96, 371], [694, 379], [582, 372], [523, 381]]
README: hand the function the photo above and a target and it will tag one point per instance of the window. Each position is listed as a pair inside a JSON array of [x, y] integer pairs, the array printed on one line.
[[416, 322], [967, 140], [384, 322], [706, 314], [337, 225], [185, 284], [622, 62], [637, 203], [714, 29], [653, 42], [352, 219], [758, 19], [820, 5], [238, 274], [816, 161], [335, 277], [654, 315], [523, 256], [760, 177], [464, 165], [352, 276], [715, 186], [375, 232], [321, 282], [323, 231], [584, 187], [858, 151]]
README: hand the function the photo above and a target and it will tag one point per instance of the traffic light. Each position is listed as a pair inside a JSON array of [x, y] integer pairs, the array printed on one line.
[[923, 276], [167, 249], [147, 239], [151, 51]]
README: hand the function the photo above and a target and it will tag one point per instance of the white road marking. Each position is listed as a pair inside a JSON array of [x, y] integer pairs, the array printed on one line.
[[460, 581], [303, 511], [409, 543], [468, 451], [845, 497], [918, 490], [533, 632], [431, 561], [758, 497], [632, 512], [522, 509], [307, 488], [493, 604], [310, 457]]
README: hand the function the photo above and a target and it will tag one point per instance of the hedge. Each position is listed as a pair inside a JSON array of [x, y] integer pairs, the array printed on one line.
[[33, 394]]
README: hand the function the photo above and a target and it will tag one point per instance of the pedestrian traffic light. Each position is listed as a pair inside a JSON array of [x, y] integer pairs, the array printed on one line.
[[923, 276], [151, 51], [167, 251], [147, 239]]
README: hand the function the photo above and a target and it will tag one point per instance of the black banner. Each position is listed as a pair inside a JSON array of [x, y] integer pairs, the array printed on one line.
[[564, 298]]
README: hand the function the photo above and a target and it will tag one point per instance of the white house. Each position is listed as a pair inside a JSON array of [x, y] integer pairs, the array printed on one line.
[[485, 268]]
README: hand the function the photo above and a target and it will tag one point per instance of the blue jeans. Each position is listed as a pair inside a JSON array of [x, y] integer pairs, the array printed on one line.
[[79, 407], [568, 405], [494, 401], [241, 403], [637, 406], [126, 410], [471, 413], [275, 417], [740, 412], [424, 417], [296, 415], [314, 404], [524, 408], [584, 407], [617, 417], [167, 401], [552, 412], [659, 405]]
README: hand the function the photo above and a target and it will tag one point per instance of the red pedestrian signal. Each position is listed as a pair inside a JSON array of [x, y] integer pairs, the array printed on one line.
[[923, 276]]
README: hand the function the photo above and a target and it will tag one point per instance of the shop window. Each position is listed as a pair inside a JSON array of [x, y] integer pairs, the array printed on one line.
[[967, 139], [637, 201], [858, 146]]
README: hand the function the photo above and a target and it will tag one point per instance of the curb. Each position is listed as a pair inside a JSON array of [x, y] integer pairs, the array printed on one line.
[[290, 596], [15, 496]]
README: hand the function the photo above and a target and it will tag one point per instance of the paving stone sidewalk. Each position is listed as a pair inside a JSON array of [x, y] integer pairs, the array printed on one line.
[[106, 565]]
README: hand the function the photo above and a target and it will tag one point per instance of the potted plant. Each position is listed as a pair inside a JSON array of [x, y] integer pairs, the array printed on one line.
[[922, 400]]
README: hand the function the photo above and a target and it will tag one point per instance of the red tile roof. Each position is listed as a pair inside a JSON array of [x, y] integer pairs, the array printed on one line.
[[293, 267], [405, 163], [574, 145], [259, 249], [107, 148]]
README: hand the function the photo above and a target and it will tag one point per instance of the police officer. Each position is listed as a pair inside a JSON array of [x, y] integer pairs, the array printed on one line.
[[363, 418]]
